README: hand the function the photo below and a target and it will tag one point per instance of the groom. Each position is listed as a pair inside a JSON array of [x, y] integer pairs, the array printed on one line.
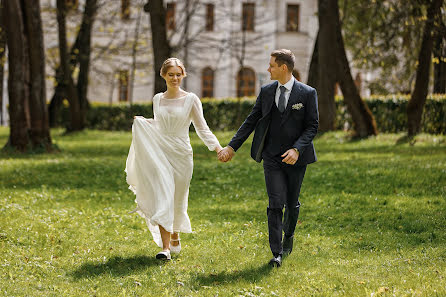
[[285, 118]]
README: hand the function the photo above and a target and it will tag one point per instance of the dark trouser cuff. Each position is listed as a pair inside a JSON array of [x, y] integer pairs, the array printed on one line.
[[290, 220], [275, 230]]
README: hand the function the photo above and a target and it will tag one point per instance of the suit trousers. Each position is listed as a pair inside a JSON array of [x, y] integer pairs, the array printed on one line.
[[283, 183]]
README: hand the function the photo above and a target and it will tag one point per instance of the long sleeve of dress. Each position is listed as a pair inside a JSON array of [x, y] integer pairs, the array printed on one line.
[[201, 127]]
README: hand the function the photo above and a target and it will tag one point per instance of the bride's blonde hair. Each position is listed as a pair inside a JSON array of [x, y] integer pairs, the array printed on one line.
[[171, 62]]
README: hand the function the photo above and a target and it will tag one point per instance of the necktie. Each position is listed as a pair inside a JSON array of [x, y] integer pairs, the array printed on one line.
[[281, 105]]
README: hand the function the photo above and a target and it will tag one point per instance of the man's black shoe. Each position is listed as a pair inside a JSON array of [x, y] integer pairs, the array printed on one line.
[[276, 261], [287, 245]]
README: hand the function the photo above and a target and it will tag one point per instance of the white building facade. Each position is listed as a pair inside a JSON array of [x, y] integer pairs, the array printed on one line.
[[230, 58], [226, 48]]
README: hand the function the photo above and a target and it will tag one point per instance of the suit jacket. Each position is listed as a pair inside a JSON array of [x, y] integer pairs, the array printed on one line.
[[299, 122]]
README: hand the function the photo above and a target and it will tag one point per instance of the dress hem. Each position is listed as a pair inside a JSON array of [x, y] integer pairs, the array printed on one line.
[[155, 223]]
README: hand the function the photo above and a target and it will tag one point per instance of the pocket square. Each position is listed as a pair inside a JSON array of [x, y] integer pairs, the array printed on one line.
[[297, 106]]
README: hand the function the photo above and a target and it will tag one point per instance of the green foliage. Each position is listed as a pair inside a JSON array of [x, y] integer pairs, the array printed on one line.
[[385, 37], [391, 117], [228, 114], [372, 223], [116, 117]]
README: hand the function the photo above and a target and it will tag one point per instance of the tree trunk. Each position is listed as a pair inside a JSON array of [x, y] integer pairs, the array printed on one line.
[[18, 70], [186, 38], [29, 127], [363, 121], [75, 111], [56, 102], [60, 92], [160, 44], [418, 98], [440, 65], [134, 53], [327, 65], [39, 129], [84, 56], [112, 87], [313, 73], [2, 61]]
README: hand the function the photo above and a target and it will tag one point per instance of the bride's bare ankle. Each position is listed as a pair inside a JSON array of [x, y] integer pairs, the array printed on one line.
[[174, 239]]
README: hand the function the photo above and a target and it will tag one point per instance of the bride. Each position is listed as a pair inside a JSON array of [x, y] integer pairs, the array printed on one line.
[[159, 164]]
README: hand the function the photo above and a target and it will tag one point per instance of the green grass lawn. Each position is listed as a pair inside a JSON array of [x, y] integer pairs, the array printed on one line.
[[373, 222]]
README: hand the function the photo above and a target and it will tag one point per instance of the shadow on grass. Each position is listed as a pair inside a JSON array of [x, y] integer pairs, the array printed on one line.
[[251, 274], [92, 175], [116, 266], [229, 214], [406, 139], [384, 149]]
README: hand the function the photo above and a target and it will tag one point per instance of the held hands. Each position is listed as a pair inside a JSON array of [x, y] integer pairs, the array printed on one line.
[[290, 156], [226, 154]]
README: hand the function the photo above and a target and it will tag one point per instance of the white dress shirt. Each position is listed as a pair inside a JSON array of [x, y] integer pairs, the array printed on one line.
[[288, 86]]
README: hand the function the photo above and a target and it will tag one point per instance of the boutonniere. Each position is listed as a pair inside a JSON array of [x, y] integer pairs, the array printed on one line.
[[297, 106]]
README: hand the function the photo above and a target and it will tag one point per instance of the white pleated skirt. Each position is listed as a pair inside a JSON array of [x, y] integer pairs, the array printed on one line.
[[159, 168]]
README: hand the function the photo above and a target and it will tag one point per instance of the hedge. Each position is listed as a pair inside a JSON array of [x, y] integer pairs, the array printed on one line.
[[390, 113], [229, 113]]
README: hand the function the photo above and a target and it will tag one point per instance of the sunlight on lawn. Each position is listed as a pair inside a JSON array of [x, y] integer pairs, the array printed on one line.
[[372, 222]]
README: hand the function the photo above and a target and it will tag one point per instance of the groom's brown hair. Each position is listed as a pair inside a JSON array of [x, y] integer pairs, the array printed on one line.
[[284, 56]]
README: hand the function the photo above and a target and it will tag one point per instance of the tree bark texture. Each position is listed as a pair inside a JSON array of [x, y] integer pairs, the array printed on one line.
[[79, 54], [134, 53], [161, 47], [56, 102], [76, 123], [440, 67], [327, 65], [363, 121], [84, 56], [419, 94], [18, 75], [2, 61], [39, 129], [313, 73], [60, 92]]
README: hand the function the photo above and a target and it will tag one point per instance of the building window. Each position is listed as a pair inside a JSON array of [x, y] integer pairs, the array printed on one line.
[[125, 9], [248, 16], [209, 17], [170, 16], [292, 21], [207, 82], [296, 74], [123, 85], [246, 82]]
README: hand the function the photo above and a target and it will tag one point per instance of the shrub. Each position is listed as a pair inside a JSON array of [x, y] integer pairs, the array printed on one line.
[[228, 114], [390, 113]]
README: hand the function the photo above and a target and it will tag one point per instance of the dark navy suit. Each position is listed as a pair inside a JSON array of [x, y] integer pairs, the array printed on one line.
[[275, 133]]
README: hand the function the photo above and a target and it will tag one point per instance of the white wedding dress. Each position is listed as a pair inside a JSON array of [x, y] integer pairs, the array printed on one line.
[[159, 164]]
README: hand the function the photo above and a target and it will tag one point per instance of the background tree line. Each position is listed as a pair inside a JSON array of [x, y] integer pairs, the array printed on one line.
[[398, 39]]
